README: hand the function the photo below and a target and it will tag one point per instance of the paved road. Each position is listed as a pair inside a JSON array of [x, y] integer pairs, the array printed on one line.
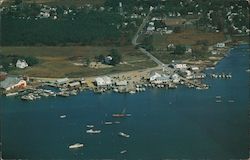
[[134, 41]]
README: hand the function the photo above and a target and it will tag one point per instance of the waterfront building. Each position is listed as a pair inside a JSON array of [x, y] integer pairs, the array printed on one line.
[[153, 76], [121, 83], [103, 81], [13, 83], [62, 81]]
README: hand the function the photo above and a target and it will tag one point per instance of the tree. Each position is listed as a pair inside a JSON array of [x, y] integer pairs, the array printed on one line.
[[100, 58], [116, 57], [180, 49], [87, 61], [17, 2]]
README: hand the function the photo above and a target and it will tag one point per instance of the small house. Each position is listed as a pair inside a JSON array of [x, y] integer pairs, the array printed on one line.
[[108, 59], [21, 64]]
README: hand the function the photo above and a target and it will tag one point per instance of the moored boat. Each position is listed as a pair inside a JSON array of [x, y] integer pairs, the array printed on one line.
[[91, 131], [123, 151], [77, 145], [123, 134], [120, 115]]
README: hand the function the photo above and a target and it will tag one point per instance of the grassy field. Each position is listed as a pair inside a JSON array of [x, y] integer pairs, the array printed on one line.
[[57, 61], [188, 37], [59, 2]]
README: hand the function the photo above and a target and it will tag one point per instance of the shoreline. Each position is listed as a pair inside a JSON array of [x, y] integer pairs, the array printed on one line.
[[137, 80]]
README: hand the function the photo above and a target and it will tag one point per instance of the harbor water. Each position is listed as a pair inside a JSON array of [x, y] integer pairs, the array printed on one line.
[[164, 123]]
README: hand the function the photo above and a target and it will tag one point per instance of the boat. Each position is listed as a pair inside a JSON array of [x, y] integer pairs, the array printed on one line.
[[77, 145], [123, 151], [123, 135], [89, 126], [117, 122], [248, 70], [218, 101], [11, 94], [108, 123], [120, 115], [63, 116], [231, 101], [218, 97], [91, 131], [132, 92]]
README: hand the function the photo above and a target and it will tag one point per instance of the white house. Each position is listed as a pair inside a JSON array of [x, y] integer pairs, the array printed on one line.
[[108, 59], [103, 81], [21, 64], [220, 45]]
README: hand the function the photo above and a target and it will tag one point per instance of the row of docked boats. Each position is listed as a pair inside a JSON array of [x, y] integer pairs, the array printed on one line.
[[38, 93], [221, 76]]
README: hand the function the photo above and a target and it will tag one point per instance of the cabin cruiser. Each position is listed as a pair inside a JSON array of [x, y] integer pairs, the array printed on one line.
[[123, 135], [91, 131], [77, 145]]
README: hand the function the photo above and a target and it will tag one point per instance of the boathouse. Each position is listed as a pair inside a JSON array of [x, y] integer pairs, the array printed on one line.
[[13, 83]]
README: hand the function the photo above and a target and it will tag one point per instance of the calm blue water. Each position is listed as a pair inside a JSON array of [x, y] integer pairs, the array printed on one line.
[[181, 123]]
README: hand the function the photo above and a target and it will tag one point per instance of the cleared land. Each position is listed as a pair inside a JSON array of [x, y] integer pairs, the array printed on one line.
[[188, 37], [59, 61]]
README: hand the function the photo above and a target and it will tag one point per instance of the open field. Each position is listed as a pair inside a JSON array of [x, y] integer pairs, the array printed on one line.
[[58, 61], [188, 37], [60, 2]]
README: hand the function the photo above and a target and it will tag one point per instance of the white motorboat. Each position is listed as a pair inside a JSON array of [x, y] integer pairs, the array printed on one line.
[[77, 145], [63, 116], [91, 131], [123, 135]]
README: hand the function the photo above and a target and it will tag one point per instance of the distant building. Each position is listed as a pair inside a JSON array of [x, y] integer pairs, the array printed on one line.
[[180, 66], [13, 83], [103, 81], [220, 45], [21, 64]]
